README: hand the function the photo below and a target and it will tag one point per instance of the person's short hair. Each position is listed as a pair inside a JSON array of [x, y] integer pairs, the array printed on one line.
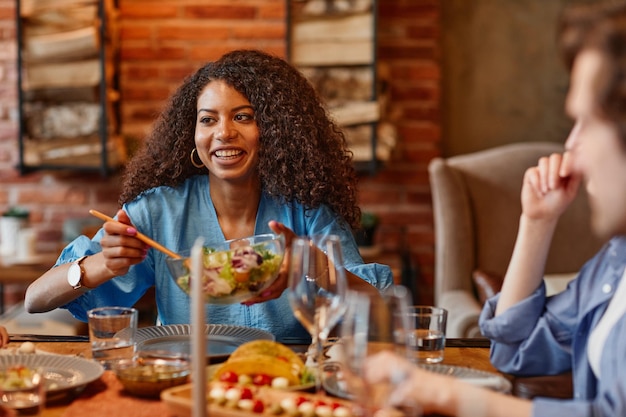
[[601, 27]]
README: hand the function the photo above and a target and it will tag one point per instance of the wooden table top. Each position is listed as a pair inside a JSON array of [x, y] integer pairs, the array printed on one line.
[[471, 355]]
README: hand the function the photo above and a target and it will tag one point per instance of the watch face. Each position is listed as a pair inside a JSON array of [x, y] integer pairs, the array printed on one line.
[[73, 275]]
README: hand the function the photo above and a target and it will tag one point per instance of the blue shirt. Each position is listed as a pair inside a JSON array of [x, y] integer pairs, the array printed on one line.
[[175, 217], [548, 335]]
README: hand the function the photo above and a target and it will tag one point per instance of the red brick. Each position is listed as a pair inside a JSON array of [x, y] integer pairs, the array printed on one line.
[[212, 52], [423, 132], [7, 12], [221, 12], [147, 92], [384, 195], [135, 31], [423, 32], [260, 31], [147, 53], [195, 31], [413, 52], [415, 70], [274, 11], [139, 71], [146, 9]]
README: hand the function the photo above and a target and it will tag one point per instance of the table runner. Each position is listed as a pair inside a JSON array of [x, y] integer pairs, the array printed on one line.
[[105, 397]]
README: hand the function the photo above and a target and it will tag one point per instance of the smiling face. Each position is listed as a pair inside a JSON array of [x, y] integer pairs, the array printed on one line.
[[227, 135], [596, 149]]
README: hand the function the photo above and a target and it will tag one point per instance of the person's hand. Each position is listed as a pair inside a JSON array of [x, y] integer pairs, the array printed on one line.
[[549, 188], [120, 246], [4, 336], [412, 387], [276, 289]]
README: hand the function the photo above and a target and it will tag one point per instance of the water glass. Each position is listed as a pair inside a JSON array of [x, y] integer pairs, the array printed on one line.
[[112, 334], [428, 338], [23, 389], [372, 324]]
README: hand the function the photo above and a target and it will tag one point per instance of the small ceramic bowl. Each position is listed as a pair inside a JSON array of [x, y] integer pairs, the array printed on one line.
[[147, 376], [234, 270]]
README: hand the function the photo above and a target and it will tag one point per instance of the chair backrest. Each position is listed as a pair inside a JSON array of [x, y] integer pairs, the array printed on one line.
[[476, 205]]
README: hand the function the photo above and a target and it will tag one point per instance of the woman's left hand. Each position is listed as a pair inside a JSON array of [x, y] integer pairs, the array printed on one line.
[[276, 289]]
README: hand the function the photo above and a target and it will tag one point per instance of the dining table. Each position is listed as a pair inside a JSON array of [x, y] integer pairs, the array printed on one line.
[[105, 396]]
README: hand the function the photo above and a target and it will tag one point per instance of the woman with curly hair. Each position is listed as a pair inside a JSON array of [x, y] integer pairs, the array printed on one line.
[[244, 147]]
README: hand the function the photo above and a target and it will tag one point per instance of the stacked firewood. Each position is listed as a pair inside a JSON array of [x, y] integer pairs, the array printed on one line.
[[64, 71], [333, 44]]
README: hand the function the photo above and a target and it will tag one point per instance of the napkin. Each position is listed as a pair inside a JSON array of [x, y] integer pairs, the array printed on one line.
[[105, 397]]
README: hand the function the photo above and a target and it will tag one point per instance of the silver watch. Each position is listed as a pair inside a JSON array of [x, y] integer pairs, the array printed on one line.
[[76, 273]]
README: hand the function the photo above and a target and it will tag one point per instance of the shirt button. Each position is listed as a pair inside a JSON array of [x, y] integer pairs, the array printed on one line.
[[606, 288]]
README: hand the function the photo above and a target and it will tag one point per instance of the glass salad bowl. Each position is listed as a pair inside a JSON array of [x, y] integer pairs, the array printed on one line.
[[235, 270]]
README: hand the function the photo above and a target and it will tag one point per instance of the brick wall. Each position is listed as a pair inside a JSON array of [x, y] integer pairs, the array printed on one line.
[[164, 41]]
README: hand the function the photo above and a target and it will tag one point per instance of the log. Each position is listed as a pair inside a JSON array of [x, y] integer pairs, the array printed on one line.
[[77, 152], [359, 52], [76, 44], [344, 29], [44, 121], [340, 84], [321, 7], [84, 73], [356, 113], [30, 8]]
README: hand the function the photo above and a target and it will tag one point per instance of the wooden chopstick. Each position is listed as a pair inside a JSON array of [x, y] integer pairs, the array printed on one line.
[[139, 235]]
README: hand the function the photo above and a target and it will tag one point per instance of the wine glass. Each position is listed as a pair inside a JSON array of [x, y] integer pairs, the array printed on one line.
[[317, 288], [372, 324]]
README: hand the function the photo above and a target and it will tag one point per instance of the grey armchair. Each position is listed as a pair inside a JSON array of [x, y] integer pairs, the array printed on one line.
[[476, 204]]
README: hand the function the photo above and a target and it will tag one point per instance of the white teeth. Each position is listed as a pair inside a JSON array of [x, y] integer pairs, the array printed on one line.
[[227, 153]]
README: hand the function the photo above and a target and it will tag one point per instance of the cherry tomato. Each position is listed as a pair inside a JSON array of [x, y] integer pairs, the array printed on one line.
[[258, 406], [335, 405], [300, 400], [318, 402], [262, 379], [246, 393], [229, 376]]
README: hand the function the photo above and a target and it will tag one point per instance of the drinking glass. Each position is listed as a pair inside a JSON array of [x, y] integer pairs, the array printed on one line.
[[22, 389], [317, 288], [372, 324], [428, 338], [112, 334]]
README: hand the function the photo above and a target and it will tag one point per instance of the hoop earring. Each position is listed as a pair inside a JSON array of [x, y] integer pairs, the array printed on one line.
[[194, 163]]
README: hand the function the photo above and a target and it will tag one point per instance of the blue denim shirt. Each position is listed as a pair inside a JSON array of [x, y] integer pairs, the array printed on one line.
[[175, 217], [548, 335]]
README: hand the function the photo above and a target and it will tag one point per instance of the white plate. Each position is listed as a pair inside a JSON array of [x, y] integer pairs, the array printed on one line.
[[222, 339], [335, 385], [63, 373], [485, 379]]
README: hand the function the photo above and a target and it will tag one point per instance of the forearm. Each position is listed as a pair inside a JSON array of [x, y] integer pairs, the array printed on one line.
[[52, 290], [451, 397], [473, 401], [527, 265]]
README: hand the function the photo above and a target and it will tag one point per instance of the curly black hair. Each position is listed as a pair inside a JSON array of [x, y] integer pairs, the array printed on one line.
[[303, 154]]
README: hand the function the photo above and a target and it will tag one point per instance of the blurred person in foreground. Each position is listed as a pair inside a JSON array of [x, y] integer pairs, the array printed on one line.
[[244, 147], [582, 329]]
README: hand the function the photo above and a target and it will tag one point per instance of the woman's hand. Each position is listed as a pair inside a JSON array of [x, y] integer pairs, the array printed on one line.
[[549, 188], [120, 246], [276, 289]]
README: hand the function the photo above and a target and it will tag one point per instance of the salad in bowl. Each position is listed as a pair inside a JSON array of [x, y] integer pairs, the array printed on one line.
[[235, 270]]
